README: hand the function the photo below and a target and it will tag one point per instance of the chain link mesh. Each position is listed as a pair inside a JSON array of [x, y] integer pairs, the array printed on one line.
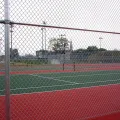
[[1, 10], [64, 59], [2, 68]]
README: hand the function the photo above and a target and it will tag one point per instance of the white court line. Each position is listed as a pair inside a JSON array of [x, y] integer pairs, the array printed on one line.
[[63, 85], [100, 115], [88, 75], [70, 73], [73, 83], [41, 87], [50, 78], [2, 90], [108, 85]]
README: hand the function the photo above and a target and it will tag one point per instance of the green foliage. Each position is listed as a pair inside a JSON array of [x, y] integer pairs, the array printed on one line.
[[92, 48], [116, 53], [40, 61], [14, 53], [89, 49], [102, 49], [59, 44], [79, 50]]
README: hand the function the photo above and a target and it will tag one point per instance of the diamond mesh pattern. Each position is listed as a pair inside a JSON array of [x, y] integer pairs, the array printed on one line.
[[64, 59]]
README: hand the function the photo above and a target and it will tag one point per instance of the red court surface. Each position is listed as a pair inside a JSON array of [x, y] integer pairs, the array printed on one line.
[[113, 116], [69, 68], [95, 103]]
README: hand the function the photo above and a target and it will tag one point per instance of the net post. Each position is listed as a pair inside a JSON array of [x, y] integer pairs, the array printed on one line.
[[7, 60], [63, 66], [74, 66]]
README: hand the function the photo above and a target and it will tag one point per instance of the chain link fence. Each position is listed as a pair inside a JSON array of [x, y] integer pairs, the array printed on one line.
[[2, 67], [64, 59]]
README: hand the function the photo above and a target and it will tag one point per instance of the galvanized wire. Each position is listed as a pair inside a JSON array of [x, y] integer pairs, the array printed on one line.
[[58, 47]]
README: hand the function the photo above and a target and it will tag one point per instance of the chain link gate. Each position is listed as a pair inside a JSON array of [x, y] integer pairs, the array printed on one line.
[[62, 60]]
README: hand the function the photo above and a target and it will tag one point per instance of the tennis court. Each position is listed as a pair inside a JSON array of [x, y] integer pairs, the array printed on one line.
[[87, 93], [59, 60], [28, 83]]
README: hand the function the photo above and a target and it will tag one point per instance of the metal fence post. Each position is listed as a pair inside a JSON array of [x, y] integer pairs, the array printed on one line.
[[7, 61]]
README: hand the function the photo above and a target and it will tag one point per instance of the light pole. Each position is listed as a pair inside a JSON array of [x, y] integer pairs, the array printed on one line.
[[42, 38], [44, 33], [100, 38], [63, 49]]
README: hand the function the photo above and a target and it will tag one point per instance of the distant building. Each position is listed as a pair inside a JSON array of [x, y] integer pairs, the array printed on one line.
[[69, 56], [105, 57], [42, 54], [54, 57]]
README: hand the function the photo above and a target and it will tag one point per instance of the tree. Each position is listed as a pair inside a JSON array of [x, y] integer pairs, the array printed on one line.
[[92, 48], [14, 53], [102, 49], [59, 44], [79, 50]]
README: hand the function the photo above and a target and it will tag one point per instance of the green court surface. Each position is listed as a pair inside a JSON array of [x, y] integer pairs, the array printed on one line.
[[59, 81]]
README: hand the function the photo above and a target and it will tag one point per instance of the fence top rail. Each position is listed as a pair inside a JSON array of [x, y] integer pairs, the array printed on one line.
[[59, 27]]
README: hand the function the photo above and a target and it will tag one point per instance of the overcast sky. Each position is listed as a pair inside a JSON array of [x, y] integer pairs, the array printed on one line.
[[89, 14]]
